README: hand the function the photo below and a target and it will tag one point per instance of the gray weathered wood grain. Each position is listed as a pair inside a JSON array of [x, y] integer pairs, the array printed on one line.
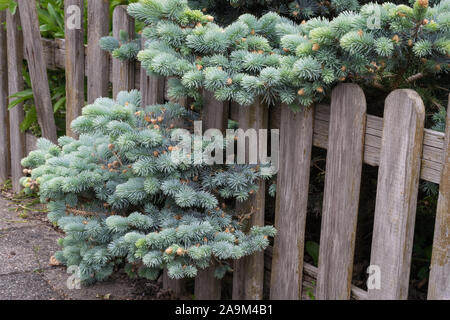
[[74, 62], [309, 278], [397, 188], [4, 117], [152, 87], [439, 282], [15, 84], [341, 194], [249, 285], [178, 287], [214, 112], [214, 116], [296, 132], [123, 72], [207, 286], [97, 61], [431, 164], [37, 68]]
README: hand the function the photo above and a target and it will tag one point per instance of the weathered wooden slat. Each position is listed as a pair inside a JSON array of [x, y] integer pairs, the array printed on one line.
[[397, 189], [4, 118], [37, 67], [152, 87], [97, 59], [15, 84], [248, 277], [123, 72], [296, 131], [341, 195], [309, 278], [178, 287], [207, 286], [214, 116], [214, 112], [439, 282], [74, 36]]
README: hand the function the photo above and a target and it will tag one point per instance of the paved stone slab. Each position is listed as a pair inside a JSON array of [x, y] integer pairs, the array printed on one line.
[[26, 249], [25, 286], [118, 287], [10, 219]]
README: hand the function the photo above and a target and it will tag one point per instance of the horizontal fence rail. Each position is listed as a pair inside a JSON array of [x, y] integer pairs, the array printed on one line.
[[433, 142]]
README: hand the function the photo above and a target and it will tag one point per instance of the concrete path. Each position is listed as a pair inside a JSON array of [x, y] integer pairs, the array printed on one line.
[[26, 246]]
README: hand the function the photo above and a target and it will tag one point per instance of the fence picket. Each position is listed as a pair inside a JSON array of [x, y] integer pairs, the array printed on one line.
[[123, 72], [397, 189], [15, 84], [248, 277], [37, 67], [74, 36], [439, 282], [4, 118], [214, 116], [296, 132], [341, 194], [177, 286], [97, 59], [152, 87]]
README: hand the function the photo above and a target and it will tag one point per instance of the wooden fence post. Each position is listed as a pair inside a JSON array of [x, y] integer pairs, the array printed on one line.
[[248, 276], [15, 84], [397, 188], [97, 59], [214, 116], [38, 68], [4, 118], [123, 72], [439, 282], [296, 133], [177, 286], [74, 36], [152, 87], [341, 194]]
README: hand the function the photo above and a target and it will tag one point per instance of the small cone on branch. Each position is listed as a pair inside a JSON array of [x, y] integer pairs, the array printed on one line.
[[422, 3], [54, 262]]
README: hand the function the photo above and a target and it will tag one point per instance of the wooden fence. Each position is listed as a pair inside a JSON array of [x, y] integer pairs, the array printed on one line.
[[398, 143]]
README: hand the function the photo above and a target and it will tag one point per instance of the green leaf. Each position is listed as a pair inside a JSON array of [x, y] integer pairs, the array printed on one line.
[[312, 248], [30, 118], [12, 7], [21, 97], [60, 103], [4, 4]]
